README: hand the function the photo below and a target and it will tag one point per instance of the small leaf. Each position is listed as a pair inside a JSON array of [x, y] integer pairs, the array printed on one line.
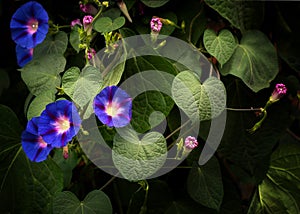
[[205, 185], [202, 102], [95, 202], [53, 44], [75, 38], [106, 24], [42, 73], [154, 3], [138, 159], [69, 80], [254, 61], [221, 46], [87, 86], [39, 104]]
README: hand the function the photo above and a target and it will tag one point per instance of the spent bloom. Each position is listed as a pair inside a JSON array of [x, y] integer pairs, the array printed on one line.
[[29, 25], [113, 107], [88, 8], [190, 143], [33, 144], [91, 53], [76, 22], [155, 25], [59, 123], [279, 91]]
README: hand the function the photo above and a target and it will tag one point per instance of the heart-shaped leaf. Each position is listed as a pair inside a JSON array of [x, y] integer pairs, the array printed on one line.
[[199, 101], [205, 185], [135, 158], [42, 73], [53, 44], [155, 3], [220, 46], [106, 24], [39, 104], [255, 61], [95, 202]]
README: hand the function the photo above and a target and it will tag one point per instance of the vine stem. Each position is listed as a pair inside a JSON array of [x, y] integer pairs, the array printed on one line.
[[109, 181], [176, 130], [243, 109]]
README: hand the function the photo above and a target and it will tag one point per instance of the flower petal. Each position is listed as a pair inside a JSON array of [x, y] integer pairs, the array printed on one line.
[[24, 55], [113, 107], [51, 118], [33, 145]]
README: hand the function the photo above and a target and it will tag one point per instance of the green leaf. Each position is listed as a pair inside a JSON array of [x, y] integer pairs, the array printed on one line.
[[39, 104], [220, 46], [87, 86], [95, 202], [69, 80], [42, 73], [244, 15], [106, 24], [75, 38], [66, 165], [137, 159], [25, 187], [205, 185], [53, 44], [279, 191], [199, 101], [254, 61], [146, 103], [154, 3]]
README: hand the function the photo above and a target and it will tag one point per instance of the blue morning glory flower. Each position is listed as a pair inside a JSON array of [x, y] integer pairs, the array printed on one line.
[[24, 55], [113, 107], [33, 144], [59, 123], [29, 25]]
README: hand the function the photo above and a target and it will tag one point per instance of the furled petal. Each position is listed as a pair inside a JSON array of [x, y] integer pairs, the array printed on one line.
[[29, 25], [59, 123], [33, 145], [113, 107], [24, 55]]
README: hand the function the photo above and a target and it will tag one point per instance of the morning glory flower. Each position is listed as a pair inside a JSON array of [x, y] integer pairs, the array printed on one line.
[[29, 25], [33, 144], [113, 107], [59, 123], [155, 25], [190, 143], [24, 55], [278, 92]]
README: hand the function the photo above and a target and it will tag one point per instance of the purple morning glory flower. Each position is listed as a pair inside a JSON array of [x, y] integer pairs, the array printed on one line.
[[24, 55], [33, 144], [59, 123], [113, 107], [29, 25]]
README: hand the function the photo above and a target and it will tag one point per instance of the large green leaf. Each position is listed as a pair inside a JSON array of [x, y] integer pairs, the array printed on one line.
[[69, 80], [39, 104], [280, 190], [155, 3], [146, 103], [42, 73], [254, 61], [220, 46], [137, 159], [244, 15], [106, 24], [199, 101], [95, 202], [53, 44], [205, 185], [25, 187]]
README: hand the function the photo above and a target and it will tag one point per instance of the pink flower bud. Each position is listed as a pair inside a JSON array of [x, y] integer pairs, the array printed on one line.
[[76, 22], [279, 91], [190, 143], [155, 24]]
